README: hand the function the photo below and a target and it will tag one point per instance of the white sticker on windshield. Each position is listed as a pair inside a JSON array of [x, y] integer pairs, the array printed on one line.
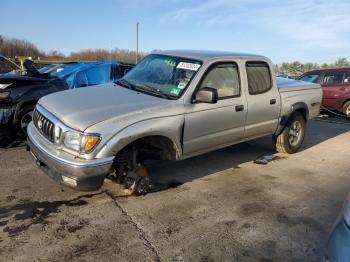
[[188, 66], [346, 80], [182, 85]]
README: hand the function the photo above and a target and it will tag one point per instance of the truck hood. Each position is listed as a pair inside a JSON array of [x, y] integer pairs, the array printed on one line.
[[85, 107]]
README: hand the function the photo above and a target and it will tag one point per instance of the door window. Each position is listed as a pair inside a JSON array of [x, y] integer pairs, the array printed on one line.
[[346, 78], [334, 78], [225, 79], [259, 77]]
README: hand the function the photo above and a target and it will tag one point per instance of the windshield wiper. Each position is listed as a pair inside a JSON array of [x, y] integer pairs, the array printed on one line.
[[153, 91], [125, 83]]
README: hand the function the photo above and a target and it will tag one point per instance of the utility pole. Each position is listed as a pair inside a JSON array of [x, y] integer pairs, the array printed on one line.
[[137, 42]]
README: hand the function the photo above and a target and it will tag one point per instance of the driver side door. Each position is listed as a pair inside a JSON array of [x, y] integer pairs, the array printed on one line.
[[212, 126]]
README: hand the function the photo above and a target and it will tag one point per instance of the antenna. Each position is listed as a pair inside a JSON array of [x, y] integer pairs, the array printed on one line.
[[137, 42]]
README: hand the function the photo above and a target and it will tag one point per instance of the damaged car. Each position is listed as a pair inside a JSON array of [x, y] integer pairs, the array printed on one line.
[[20, 93], [173, 105]]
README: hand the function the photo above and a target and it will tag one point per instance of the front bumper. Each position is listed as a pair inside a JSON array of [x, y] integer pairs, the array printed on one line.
[[338, 245], [80, 174]]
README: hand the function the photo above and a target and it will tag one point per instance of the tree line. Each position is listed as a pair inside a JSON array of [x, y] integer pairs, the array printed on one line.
[[12, 47], [296, 68]]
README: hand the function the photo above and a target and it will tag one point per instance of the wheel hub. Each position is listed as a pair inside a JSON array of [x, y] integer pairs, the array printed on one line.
[[347, 111], [295, 133]]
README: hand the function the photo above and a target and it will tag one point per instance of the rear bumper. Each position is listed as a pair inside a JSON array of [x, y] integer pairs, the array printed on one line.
[[80, 174], [338, 246]]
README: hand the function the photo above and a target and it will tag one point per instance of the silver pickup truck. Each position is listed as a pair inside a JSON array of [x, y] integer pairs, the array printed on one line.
[[173, 105]]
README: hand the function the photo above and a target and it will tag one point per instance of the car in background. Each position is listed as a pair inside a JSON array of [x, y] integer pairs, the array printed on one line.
[[338, 244], [335, 85], [20, 93], [7, 66], [54, 68], [92, 73]]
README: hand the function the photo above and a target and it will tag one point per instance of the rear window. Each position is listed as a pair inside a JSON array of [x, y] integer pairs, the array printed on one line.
[[259, 77]]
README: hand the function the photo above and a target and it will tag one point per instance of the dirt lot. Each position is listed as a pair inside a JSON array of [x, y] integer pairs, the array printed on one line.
[[220, 207]]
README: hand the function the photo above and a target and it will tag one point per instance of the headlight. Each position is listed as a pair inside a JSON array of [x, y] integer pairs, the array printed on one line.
[[3, 86], [4, 95], [347, 211], [80, 142], [72, 140]]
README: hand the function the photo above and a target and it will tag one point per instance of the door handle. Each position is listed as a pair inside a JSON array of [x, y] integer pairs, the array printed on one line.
[[272, 101], [239, 108]]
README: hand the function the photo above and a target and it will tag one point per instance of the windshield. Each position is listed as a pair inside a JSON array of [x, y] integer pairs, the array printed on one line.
[[163, 74], [7, 66]]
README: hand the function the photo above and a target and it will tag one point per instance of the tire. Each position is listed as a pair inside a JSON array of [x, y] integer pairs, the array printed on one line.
[[292, 136], [346, 109], [24, 118]]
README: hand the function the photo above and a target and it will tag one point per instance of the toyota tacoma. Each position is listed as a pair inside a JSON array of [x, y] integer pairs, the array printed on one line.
[[173, 105]]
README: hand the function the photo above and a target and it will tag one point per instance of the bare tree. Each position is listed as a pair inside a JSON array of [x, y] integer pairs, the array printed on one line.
[[12, 47]]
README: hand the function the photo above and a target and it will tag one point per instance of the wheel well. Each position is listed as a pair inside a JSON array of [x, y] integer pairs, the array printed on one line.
[[303, 112], [151, 148], [21, 106], [346, 101], [28, 103]]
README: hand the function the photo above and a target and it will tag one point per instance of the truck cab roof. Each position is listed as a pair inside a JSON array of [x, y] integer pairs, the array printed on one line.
[[208, 54]]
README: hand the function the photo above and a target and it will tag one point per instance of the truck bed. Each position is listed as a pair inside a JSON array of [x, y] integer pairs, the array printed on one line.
[[287, 85], [290, 93]]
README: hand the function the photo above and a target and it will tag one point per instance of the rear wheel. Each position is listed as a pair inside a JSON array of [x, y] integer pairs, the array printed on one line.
[[292, 136], [346, 109]]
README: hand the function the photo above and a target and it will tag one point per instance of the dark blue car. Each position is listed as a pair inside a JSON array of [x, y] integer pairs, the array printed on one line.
[[338, 245], [19, 93]]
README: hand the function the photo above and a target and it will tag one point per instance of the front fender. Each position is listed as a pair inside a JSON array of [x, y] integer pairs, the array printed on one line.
[[169, 127]]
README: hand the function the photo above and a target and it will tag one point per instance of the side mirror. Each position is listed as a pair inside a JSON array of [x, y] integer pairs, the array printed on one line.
[[207, 95]]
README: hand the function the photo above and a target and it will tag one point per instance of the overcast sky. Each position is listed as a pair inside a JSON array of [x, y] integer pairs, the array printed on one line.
[[284, 30]]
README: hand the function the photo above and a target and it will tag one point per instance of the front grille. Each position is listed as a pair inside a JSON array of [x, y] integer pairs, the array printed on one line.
[[44, 125]]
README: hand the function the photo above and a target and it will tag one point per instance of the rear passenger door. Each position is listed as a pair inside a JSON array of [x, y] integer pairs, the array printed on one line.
[[263, 100]]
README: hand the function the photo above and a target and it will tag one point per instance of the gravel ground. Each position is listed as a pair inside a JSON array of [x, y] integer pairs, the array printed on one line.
[[217, 207]]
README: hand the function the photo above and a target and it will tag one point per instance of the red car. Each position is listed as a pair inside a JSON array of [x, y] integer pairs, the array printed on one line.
[[335, 85]]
